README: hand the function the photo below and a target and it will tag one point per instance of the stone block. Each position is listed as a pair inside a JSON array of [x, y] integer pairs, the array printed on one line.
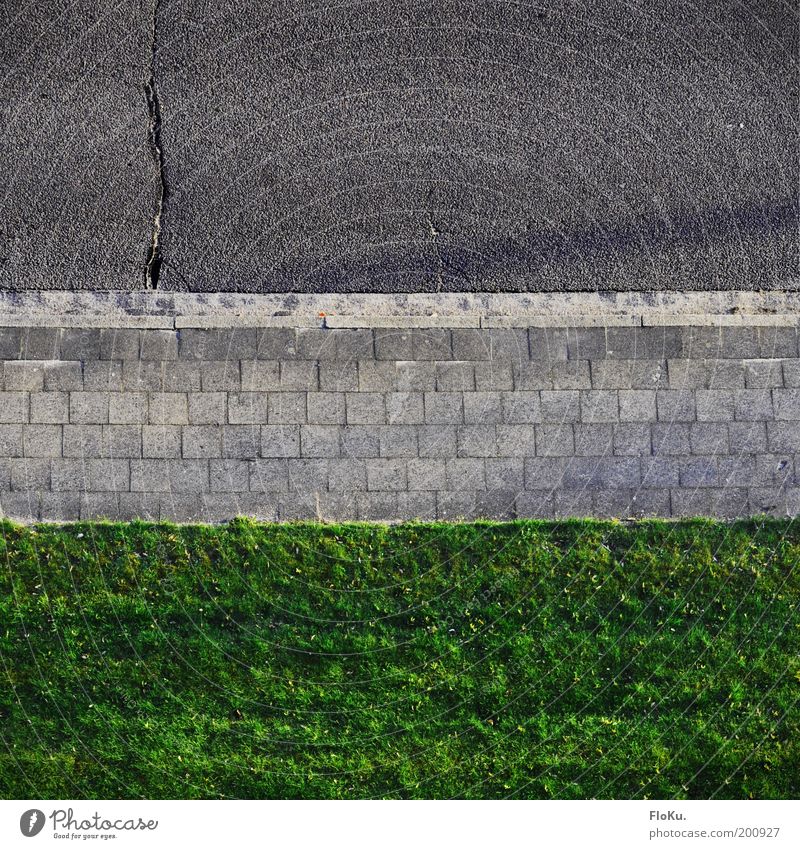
[[207, 407], [119, 343], [41, 440], [284, 407], [386, 475], [127, 408], [632, 439], [63, 377], [326, 408], [554, 440], [49, 407], [202, 441], [158, 441], [276, 441], [299, 376], [229, 475], [443, 408], [398, 441], [249, 407], [319, 441], [27, 376], [103, 376], [476, 441], [158, 345]]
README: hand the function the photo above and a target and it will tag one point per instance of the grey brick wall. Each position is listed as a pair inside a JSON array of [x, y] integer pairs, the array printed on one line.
[[384, 424]]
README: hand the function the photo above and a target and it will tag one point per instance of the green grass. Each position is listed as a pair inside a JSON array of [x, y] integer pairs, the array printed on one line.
[[530, 660]]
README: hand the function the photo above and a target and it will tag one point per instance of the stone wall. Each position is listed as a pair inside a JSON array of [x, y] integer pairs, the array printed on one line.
[[391, 423]]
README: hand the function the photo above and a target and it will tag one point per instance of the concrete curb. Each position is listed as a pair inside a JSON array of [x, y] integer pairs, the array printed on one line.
[[175, 311]]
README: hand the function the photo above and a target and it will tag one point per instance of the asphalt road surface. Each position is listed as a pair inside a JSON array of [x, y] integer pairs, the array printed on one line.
[[433, 145]]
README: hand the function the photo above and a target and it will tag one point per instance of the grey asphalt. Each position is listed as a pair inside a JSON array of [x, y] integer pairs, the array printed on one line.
[[405, 146], [77, 182]]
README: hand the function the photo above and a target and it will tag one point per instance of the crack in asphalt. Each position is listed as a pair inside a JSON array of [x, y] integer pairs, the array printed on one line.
[[154, 257], [444, 264]]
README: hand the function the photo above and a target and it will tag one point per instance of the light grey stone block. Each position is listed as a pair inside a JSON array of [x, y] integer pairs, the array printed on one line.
[[229, 476], [443, 408], [632, 439], [103, 375], [709, 438], [243, 442], [307, 475], [24, 376], [599, 405], [158, 441], [516, 440], [201, 441], [29, 474], [554, 440], [207, 408], [398, 441], [675, 405], [753, 405], [347, 475], [158, 345], [593, 440], [299, 376], [220, 376], [260, 375], [763, 374], [338, 376], [532, 376], [386, 475], [365, 408], [168, 408], [284, 407], [405, 408], [269, 475], [783, 436], [560, 407], [517, 408], [671, 438], [747, 437], [455, 377], [49, 407], [505, 473], [276, 441], [637, 405], [714, 405], [660, 472], [108, 475], [360, 441], [786, 401], [122, 441], [127, 408], [376, 376], [63, 377], [493, 376], [698, 472], [426, 474], [319, 440], [41, 440], [326, 408], [251, 407]]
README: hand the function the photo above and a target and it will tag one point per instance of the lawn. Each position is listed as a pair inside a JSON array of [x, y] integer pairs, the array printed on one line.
[[578, 659]]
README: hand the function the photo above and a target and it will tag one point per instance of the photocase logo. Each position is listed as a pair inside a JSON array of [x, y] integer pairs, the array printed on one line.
[[31, 822]]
